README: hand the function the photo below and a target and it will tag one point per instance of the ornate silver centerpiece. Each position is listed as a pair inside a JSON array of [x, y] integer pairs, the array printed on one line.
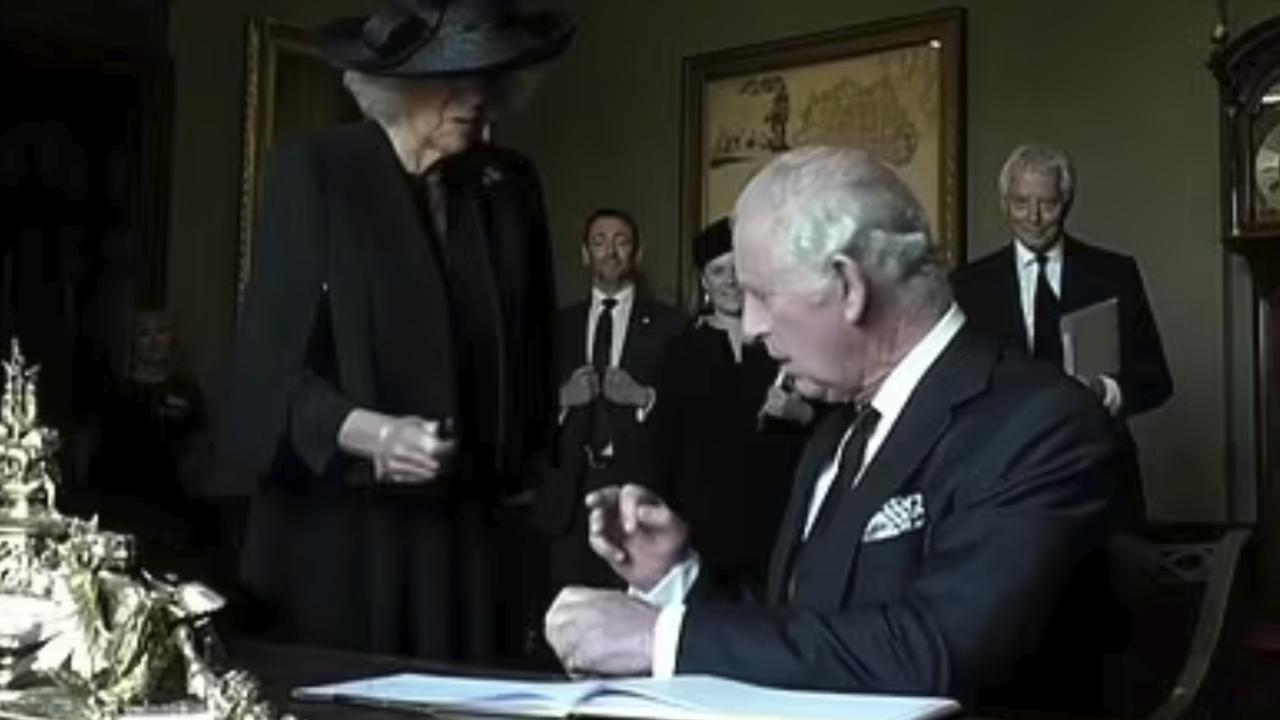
[[84, 632]]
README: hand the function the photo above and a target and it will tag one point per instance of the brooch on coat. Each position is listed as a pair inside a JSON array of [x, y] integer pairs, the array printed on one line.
[[492, 175]]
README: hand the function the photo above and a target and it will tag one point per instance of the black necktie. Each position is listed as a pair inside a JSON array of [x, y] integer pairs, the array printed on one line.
[[1046, 336], [601, 350], [855, 450], [602, 342]]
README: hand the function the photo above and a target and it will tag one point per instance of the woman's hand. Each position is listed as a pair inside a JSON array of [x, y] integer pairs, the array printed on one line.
[[405, 449]]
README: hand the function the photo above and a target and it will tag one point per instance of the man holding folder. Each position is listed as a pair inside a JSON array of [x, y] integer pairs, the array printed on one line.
[[1068, 303]]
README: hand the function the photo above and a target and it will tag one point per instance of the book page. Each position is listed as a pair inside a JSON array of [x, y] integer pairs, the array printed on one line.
[[684, 697], [425, 692], [705, 697]]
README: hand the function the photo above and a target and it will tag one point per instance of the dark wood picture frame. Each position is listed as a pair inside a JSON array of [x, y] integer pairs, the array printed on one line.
[[289, 89], [761, 73]]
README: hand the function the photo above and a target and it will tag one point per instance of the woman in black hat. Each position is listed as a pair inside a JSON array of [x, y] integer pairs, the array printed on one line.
[[727, 433], [391, 375]]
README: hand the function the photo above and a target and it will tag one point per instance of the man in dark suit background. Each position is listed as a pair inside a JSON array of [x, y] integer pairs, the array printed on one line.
[[942, 536], [606, 357], [1004, 297]]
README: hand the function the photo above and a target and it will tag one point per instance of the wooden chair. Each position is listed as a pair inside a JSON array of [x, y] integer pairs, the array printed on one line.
[[1183, 588]]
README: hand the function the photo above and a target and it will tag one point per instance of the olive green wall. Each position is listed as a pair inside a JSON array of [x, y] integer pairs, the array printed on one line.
[[1121, 85], [207, 41]]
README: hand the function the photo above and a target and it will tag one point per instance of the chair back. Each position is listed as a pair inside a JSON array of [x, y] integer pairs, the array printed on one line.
[[1182, 587]]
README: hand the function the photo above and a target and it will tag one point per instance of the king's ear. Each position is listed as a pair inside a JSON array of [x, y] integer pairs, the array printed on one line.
[[854, 287]]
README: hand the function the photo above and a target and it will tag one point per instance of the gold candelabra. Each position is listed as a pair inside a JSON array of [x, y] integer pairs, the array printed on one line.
[[85, 633]]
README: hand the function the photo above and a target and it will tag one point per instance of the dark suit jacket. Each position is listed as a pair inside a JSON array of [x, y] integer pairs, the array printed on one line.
[[1012, 464], [988, 291], [651, 327], [349, 306]]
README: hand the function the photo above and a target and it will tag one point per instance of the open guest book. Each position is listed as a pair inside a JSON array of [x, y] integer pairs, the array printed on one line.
[[684, 697]]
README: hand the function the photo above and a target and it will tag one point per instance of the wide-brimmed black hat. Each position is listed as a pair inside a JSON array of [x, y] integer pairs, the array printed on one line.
[[425, 38]]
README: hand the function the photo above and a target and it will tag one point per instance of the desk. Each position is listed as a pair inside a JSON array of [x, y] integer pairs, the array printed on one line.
[[281, 668]]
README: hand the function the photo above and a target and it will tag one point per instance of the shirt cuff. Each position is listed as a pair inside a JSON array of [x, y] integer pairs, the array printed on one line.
[[666, 641], [1111, 397], [643, 411], [674, 586], [669, 595]]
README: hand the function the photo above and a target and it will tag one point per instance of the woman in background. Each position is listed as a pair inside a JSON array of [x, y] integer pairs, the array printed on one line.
[[727, 431], [146, 468]]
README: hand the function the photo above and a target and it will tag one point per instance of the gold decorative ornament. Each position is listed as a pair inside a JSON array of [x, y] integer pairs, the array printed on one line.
[[85, 633]]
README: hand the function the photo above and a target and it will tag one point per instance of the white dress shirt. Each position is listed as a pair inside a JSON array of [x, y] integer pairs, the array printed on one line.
[[889, 401], [621, 320], [1028, 278]]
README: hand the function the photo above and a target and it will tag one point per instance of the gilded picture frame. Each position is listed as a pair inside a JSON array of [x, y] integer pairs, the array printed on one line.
[[289, 89], [893, 87]]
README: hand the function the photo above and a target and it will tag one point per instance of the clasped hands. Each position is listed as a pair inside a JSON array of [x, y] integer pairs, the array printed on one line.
[[608, 632], [615, 385]]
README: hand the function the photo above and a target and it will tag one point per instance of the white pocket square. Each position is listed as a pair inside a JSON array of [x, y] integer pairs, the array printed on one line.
[[898, 515]]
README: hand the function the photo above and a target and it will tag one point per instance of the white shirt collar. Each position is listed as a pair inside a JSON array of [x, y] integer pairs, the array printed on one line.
[[1027, 257], [897, 388], [890, 400], [623, 296]]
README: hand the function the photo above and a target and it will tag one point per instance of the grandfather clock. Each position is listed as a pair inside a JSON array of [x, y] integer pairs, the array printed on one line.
[[1248, 74]]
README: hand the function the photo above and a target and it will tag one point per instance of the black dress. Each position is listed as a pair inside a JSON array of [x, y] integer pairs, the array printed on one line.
[[356, 303], [148, 429], [730, 473]]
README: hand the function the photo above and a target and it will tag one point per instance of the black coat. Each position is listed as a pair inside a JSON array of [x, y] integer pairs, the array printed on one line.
[[988, 291], [726, 471], [350, 305], [1012, 463]]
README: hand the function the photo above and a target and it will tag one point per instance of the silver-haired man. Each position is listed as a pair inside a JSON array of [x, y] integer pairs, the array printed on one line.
[[933, 527], [1019, 294]]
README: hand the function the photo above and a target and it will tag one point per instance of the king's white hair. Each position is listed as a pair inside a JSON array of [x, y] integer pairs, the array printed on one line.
[[823, 202]]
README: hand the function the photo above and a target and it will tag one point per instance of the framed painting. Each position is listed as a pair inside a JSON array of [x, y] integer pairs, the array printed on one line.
[[893, 88], [289, 89]]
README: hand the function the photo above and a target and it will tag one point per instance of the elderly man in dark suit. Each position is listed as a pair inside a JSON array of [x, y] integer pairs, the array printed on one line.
[[392, 375], [1019, 293], [942, 535], [607, 352]]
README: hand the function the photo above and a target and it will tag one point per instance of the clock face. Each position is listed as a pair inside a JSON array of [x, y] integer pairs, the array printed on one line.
[[1266, 172]]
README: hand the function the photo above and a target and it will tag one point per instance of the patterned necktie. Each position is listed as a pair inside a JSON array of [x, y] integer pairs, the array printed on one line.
[[601, 352], [1046, 336]]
